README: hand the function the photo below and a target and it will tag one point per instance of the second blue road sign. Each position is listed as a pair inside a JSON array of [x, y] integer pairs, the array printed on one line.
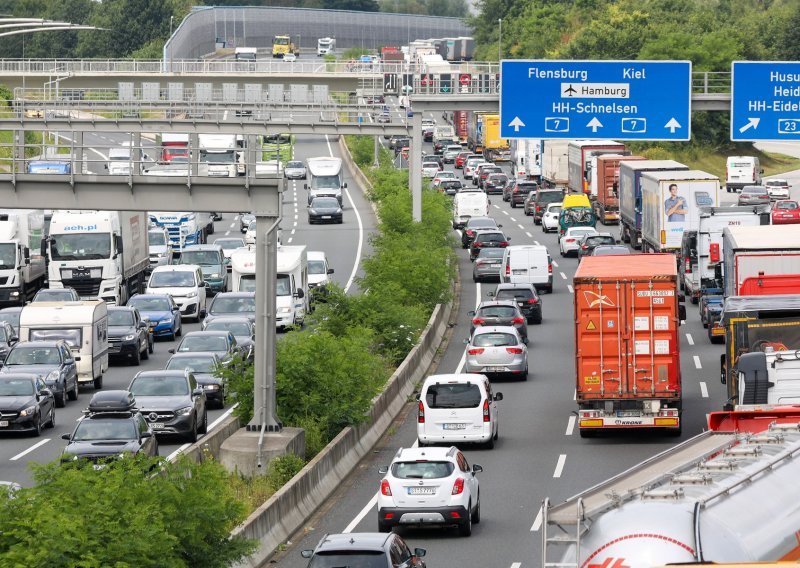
[[765, 100], [620, 100]]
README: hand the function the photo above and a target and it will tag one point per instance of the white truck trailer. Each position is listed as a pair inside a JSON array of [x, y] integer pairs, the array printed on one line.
[[219, 156], [748, 252], [22, 267], [101, 254], [325, 178]]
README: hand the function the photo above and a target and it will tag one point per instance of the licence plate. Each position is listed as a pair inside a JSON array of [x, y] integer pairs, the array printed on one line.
[[495, 369], [518, 271], [3, 423], [156, 425], [454, 426], [326, 216], [717, 331], [628, 413], [422, 491]]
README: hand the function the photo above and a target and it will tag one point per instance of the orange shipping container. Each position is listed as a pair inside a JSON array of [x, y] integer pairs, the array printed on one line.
[[627, 347]]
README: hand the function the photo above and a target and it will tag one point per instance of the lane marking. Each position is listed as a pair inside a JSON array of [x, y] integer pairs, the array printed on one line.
[[697, 362], [29, 450], [463, 359], [703, 389], [537, 522], [227, 233], [211, 427], [564, 276], [520, 226], [528, 235], [536, 243], [554, 263], [689, 339], [570, 426], [516, 564], [293, 230], [233, 225], [235, 218], [570, 288], [505, 212], [177, 452], [560, 465], [512, 219], [288, 242]]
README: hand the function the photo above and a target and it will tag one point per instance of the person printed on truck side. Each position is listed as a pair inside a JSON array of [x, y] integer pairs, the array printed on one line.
[[675, 205]]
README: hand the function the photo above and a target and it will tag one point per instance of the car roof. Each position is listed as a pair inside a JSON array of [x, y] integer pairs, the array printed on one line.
[[438, 453], [190, 354], [515, 286], [582, 229], [207, 332], [488, 303], [11, 309], [176, 268], [40, 343], [160, 373], [316, 255], [17, 376], [353, 541], [166, 296], [454, 377], [227, 319], [207, 246], [495, 329], [600, 234]]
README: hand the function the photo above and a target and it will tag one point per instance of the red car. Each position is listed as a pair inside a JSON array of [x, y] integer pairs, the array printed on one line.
[[462, 158], [785, 213]]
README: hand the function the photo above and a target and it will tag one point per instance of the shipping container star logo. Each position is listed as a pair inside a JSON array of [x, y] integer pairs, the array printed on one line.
[[595, 299]]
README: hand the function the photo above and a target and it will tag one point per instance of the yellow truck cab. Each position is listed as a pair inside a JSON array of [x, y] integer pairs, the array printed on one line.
[[575, 200], [281, 45]]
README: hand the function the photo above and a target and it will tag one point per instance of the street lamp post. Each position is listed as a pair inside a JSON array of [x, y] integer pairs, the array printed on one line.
[[499, 39], [171, 20]]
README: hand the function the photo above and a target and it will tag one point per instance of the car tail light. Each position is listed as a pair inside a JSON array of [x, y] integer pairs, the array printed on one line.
[[487, 416], [687, 265], [538, 208], [550, 268], [470, 232], [569, 240], [508, 269], [385, 489], [533, 300], [458, 486], [584, 247], [477, 244], [476, 351], [502, 244], [478, 321], [518, 319], [514, 350], [421, 413]]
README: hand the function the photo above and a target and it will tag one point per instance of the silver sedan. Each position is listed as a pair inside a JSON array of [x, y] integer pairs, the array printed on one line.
[[495, 351]]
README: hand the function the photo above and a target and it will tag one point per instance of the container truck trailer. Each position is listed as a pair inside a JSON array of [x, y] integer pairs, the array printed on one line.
[[602, 176], [579, 153]]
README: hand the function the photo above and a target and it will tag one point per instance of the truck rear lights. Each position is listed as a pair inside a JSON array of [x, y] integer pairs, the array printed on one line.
[[421, 413], [670, 412], [588, 414], [458, 486], [476, 351], [385, 488], [388, 516], [550, 268], [687, 265], [487, 416]]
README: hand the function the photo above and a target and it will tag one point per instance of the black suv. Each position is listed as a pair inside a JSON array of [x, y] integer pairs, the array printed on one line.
[[26, 404], [52, 361], [172, 401], [475, 224], [370, 550], [487, 238], [528, 300], [112, 425], [129, 336]]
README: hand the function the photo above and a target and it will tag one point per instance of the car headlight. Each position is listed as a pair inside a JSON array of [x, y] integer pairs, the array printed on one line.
[[215, 275], [52, 376], [191, 294], [183, 411], [129, 337], [284, 310], [312, 211], [211, 387], [166, 320], [30, 411]]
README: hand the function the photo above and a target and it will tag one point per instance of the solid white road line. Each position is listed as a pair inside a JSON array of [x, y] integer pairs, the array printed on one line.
[[177, 452], [463, 359], [29, 450], [697, 362], [537, 522], [516, 564], [703, 390], [689, 339], [360, 229], [211, 426], [560, 465], [570, 425], [570, 288]]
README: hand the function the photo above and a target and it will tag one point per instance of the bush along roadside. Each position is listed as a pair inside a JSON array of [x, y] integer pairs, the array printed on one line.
[[329, 372]]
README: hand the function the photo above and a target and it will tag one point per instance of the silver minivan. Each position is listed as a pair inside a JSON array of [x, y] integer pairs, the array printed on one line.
[[457, 408]]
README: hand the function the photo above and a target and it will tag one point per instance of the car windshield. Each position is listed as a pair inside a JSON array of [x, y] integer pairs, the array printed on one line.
[[156, 238], [120, 317], [490, 237], [16, 387], [514, 294], [236, 328], [349, 559], [316, 267], [549, 196], [325, 203], [422, 469], [494, 339], [491, 253], [497, 312], [786, 205], [104, 429], [177, 278], [456, 395], [600, 240], [201, 257], [54, 295], [199, 364], [146, 304], [753, 189], [203, 343], [230, 243], [294, 164], [33, 356], [554, 209], [159, 386], [236, 304], [777, 182], [481, 223], [71, 335], [283, 287], [580, 232]]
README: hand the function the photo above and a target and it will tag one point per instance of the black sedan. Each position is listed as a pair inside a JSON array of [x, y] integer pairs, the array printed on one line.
[[324, 210], [496, 183], [8, 338], [204, 366], [487, 239], [50, 360], [231, 304], [26, 404], [500, 312], [172, 402], [129, 336], [475, 224], [588, 243]]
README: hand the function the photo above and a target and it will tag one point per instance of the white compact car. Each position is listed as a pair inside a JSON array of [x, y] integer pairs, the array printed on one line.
[[456, 409], [777, 188], [429, 169], [429, 486], [568, 243], [184, 282], [550, 217]]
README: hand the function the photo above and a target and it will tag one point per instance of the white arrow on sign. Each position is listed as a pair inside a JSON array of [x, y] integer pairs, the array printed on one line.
[[594, 124], [516, 123], [751, 123], [672, 125]]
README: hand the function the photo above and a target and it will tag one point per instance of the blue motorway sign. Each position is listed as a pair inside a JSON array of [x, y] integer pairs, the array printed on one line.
[[620, 100], [765, 100]]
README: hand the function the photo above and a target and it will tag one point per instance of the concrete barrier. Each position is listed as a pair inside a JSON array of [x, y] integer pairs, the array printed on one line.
[[212, 441], [288, 509]]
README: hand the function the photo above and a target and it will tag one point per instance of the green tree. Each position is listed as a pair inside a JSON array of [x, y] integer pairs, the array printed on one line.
[[357, 5]]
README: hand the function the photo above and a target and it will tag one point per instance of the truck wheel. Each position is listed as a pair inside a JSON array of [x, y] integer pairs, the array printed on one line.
[[587, 433]]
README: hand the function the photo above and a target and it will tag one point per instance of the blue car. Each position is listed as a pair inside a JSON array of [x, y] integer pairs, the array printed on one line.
[[162, 312]]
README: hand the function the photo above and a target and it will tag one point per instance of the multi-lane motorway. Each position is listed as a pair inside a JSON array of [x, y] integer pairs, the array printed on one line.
[[539, 453], [343, 244]]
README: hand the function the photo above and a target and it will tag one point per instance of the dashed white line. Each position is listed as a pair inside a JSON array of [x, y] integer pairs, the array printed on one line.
[[227, 233], [497, 207], [536, 243], [289, 241], [703, 389], [528, 235], [520, 226], [570, 426], [554, 263], [512, 219], [697, 362], [570, 288], [516, 564], [560, 465], [505, 212], [689, 339], [233, 224], [293, 230], [29, 450], [235, 218], [564, 276], [537, 522]]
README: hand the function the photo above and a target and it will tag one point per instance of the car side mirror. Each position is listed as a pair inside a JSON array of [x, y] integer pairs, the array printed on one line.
[[46, 392], [498, 396], [14, 339], [171, 350], [420, 552], [722, 370], [147, 435], [299, 294], [416, 396], [65, 436], [306, 553], [344, 185], [499, 226], [141, 325], [471, 313], [305, 186], [508, 238], [490, 294], [330, 271], [197, 392], [476, 468], [202, 284], [76, 359], [26, 255], [384, 469]]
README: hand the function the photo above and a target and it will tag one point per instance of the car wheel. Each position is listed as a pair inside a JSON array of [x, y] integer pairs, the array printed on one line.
[[476, 514], [51, 423], [465, 528], [513, 205], [179, 331], [384, 528], [73, 394], [489, 444], [146, 353], [136, 359], [525, 374], [191, 437], [587, 433], [204, 426], [37, 427], [537, 319], [61, 399], [151, 344], [560, 250]]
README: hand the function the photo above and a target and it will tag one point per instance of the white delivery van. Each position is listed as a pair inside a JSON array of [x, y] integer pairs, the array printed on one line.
[[741, 171], [119, 161], [83, 325], [527, 264], [468, 204], [245, 53]]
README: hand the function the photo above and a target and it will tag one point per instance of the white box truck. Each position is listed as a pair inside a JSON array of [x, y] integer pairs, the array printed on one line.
[[83, 325], [218, 155], [671, 204], [555, 171], [101, 254], [325, 45], [741, 171], [292, 281], [22, 267], [325, 178], [245, 53], [750, 252]]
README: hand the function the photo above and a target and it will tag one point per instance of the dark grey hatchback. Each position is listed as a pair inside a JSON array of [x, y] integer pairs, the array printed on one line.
[[364, 550], [324, 210]]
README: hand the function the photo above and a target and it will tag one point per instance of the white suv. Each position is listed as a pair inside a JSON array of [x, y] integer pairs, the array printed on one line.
[[457, 408], [184, 282], [429, 486]]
